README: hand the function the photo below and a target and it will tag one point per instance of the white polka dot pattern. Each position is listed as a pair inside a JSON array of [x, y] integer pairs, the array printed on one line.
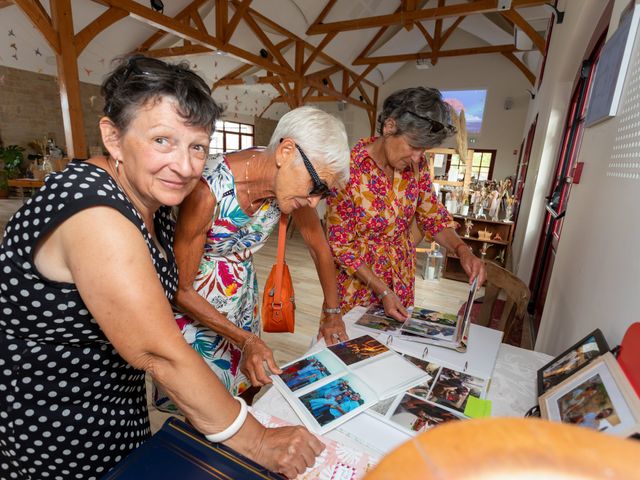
[[70, 406]]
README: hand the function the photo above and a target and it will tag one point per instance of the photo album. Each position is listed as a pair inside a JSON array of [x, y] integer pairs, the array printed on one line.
[[441, 398], [328, 387], [424, 325]]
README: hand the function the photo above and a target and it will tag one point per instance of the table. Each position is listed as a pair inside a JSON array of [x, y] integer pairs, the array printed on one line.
[[22, 183], [512, 392]]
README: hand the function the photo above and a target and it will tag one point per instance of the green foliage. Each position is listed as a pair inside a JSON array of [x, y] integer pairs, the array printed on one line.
[[11, 157]]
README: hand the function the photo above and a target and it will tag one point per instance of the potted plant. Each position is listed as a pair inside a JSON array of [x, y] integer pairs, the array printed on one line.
[[11, 157]]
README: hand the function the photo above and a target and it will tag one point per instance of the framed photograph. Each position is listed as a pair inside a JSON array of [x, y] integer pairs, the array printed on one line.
[[571, 360], [598, 396]]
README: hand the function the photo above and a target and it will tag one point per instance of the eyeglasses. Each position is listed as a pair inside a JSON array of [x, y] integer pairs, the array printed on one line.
[[435, 125], [320, 187], [150, 66]]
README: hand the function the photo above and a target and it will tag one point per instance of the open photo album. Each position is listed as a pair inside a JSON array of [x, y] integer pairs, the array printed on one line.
[[424, 325], [328, 387], [441, 398]]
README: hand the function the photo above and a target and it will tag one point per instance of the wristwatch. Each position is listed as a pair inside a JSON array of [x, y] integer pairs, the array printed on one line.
[[332, 311]]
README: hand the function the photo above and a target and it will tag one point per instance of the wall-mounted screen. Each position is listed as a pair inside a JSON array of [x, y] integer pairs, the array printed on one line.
[[472, 101]]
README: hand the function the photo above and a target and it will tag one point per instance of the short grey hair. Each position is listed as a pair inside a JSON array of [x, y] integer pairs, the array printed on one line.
[[415, 110], [320, 135]]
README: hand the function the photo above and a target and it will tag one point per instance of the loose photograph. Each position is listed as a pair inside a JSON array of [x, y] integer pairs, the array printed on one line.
[[429, 329], [383, 406], [418, 415], [374, 318], [578, 356], [431, 369], [447, 319], [332, 400], [309, 370], [358, 349], [452, 389], [589, 405]]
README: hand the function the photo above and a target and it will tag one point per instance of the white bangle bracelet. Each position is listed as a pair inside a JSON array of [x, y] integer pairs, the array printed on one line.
[[232, 429], [384, 293]]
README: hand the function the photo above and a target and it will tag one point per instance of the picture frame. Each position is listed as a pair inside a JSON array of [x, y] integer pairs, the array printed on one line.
[[571, 360], [598, 396]]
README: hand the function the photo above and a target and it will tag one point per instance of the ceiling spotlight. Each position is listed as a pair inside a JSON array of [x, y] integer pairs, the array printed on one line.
[[361, 98], [325, 82], [559, 14], [157, 5], [532, 94], [264, 53]]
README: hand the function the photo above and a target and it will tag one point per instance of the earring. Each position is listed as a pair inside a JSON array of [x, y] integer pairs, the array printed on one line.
[[117, 164]]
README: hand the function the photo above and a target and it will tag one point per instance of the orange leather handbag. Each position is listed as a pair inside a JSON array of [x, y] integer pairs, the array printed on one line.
[[278, 300]]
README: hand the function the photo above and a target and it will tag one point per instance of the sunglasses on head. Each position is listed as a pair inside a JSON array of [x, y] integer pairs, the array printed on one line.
[[320, 187], [435, 125], [148, 66]]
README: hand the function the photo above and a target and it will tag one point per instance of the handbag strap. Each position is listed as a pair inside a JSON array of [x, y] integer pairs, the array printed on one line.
[[282, 239]]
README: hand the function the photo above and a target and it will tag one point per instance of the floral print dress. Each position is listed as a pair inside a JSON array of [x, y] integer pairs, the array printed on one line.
[[369, 221], [226, 277]]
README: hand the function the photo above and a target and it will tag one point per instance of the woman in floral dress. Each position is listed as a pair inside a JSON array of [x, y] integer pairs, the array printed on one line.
[[229, 217], [369, 220]]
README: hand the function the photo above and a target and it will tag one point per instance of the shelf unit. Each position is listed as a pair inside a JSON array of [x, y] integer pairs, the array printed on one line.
[[497, 251]]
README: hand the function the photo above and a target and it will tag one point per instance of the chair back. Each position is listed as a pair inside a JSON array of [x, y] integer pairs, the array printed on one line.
[[517, 297]]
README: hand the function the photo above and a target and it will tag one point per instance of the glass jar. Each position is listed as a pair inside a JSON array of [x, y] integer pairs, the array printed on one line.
[[435, 260]]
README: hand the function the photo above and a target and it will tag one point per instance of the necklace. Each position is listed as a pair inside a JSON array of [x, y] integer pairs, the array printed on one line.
[[246, 179]]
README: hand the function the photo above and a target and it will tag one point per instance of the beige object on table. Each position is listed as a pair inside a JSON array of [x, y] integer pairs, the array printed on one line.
[[509, 448]]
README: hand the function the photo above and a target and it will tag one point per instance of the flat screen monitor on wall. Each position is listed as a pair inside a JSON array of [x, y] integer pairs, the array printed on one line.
[[472, 101]]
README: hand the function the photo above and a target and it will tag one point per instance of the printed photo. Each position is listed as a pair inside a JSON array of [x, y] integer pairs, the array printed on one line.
[[332, 401], [570, 362], [452, 389], [358, 349], [374, 318], [418, 416], [447, 319], [308, 370], [429, 329], [431, 369], [589, 405]]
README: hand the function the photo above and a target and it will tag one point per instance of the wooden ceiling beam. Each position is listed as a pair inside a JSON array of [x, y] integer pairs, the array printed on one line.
[[375, 38], [450, 30], [437, 36], [266, 42], [408, 6], [325, 11], [316, 51], [427, 36], [5, 3], [185, 50], [521, 23], [222, 18], [238, 15], [360, 77], [198, 22], [458, 52], [479, 6], [521, 66], [273, 100], [104, 21], [182, 15], [40, 19]]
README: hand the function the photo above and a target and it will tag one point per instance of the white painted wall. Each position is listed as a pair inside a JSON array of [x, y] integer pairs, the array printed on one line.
[[595, 278], [501, 129]]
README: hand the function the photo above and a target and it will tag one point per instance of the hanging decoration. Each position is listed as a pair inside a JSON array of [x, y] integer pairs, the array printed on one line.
[[11, 34], [37, 52]]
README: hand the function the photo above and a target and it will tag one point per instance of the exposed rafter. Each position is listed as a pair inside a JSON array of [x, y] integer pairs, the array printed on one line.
[[458, 52], [41, 20], [457, 10], [104, 21], [521, 23], [521, 66]]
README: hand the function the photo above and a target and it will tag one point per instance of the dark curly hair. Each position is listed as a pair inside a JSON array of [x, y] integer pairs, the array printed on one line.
[[420, 114], [138, 79]]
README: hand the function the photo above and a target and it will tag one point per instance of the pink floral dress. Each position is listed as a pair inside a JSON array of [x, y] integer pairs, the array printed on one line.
[[369, 222]]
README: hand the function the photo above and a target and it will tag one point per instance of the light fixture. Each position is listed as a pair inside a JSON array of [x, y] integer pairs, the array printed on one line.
[[423, 63], [532, 94], [264, 53], [558, 13], [504, 4], [325, 82], [157, 5]]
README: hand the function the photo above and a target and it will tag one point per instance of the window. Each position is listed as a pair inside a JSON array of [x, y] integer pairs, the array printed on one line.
[[230, 136], [481, 168]]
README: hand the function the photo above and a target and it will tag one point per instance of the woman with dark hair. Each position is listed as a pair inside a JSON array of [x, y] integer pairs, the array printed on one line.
[[369, 221], [88, 273]]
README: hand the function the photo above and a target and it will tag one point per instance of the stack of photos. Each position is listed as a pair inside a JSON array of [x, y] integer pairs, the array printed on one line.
[[441, 398], [424, 325], [329, 387], [598, 396]]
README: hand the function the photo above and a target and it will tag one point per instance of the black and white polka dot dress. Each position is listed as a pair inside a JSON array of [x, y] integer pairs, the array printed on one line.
[[70, 406]]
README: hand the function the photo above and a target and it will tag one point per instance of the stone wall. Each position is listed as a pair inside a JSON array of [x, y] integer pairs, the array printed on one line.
[[30, 109]]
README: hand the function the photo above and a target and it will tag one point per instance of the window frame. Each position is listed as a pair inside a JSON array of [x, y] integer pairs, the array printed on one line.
[[235, 131], [493, 153]]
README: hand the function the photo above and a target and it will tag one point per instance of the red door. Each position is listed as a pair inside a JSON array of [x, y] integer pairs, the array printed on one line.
[[558, 198]]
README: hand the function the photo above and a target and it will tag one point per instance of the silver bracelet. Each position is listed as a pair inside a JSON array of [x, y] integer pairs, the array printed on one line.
[[232, 429], [332, 311], [384, 293]]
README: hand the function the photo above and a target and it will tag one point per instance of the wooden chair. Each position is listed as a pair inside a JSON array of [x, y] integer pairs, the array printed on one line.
[[515, 308]]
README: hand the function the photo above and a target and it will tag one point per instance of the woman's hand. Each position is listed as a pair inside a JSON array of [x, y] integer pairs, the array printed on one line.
[[393, 307], [332, 328], [288, 450], [254, 356], [472, 265]]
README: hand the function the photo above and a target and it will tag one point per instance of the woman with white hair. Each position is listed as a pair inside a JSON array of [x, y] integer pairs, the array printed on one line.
[[228, 217]]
